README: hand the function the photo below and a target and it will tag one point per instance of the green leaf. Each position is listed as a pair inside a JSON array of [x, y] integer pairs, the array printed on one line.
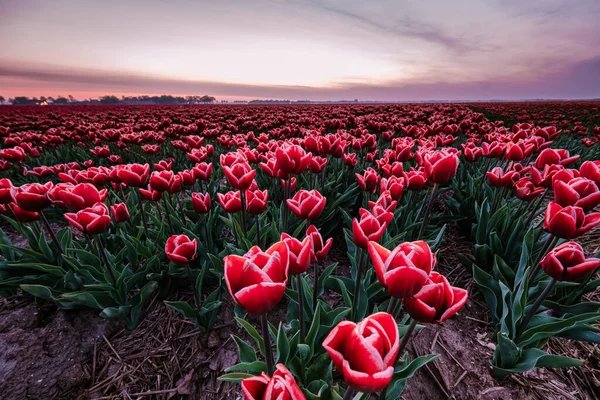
[[245, 351], [260, 343], [255, 367], [236, 377], [283, 346]]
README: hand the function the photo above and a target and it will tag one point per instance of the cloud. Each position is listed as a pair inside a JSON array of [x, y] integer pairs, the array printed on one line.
[[581, 80]]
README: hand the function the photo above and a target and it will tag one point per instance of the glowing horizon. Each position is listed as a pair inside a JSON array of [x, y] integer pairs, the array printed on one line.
[[318, 50]]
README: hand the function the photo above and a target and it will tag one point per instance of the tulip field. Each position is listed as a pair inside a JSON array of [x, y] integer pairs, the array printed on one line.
[[320, 252]]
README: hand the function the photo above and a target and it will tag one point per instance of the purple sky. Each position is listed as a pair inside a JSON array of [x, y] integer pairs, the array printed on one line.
[[302, 49]]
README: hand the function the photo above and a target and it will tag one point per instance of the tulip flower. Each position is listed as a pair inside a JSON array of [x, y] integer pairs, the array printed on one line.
[[384, 200], [281, 386], [591, 170], [394, 185], [202, 171], [180, 249], [368, 180], [436, 301], [292, 159], [395, 169], [367, 229], [580, 192], [365, 353], [567, 262], [240, 175], [230, 201], [526, 190], [92, 220], [22, 215], [381, 214], [257, 280], [320, 248], [32, 196], [164, 165], [120, 212], [150, 194], [201, 202], [134, 175], [81, 196], [301, 253], [256, 201], [160, 181], [554, 156], [440, 166], [14, 154], [404, 270], [5, 191], [568, 222], [472, 154], [317, 164], [307, 204], [415, 179], [497, 177]]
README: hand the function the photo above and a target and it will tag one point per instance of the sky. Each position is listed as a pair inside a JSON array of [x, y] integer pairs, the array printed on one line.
[[389, 50]]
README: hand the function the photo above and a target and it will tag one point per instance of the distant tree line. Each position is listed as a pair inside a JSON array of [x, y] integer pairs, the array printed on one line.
[[109, 99]]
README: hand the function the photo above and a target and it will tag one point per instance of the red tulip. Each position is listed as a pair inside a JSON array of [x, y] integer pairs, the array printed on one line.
[[568, 222], [24, 215], [180, 249], [526, 190], [394, 185], [202, 171], [301, 253], [292, 159], [472, 153], [81, 196], [567, 262], [591, 170], [554, 156], [317, 164], [5, 191], [282, 386], [365, 353], [368, 180], [440, 166], [385, 200], [120, 212], [415, 180], [380, 214], [320, 248], [92, 220], [580, 192], [201, 202], [257, 280], [14, 154], [240, 175], [161, 180], [394, 169], [135, 175], [368, 229], [404, 270], [231, 202], [32, 196], [307, 204], [256, 201], [150, 194], [175, 185], [436, 301], [187, 177], [497, 177], [164, 165]]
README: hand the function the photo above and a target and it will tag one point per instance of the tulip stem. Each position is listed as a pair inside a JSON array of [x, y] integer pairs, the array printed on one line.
[[143, 214], [267, 341], [301, 305], [359, 271], [535, 208], [51, 232], [286, 211], [349, 393], [406, 337], [533, 310], [164, 198], [243, 212], [193, 283], [427, 212], [392, 305], [315, 286], [549, 245], [257, 219], [102, 252]]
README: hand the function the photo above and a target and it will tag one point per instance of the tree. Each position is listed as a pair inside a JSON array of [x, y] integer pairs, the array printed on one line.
[[71, 99]]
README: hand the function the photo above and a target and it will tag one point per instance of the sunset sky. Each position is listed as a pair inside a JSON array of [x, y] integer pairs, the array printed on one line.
[[304, 49]]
